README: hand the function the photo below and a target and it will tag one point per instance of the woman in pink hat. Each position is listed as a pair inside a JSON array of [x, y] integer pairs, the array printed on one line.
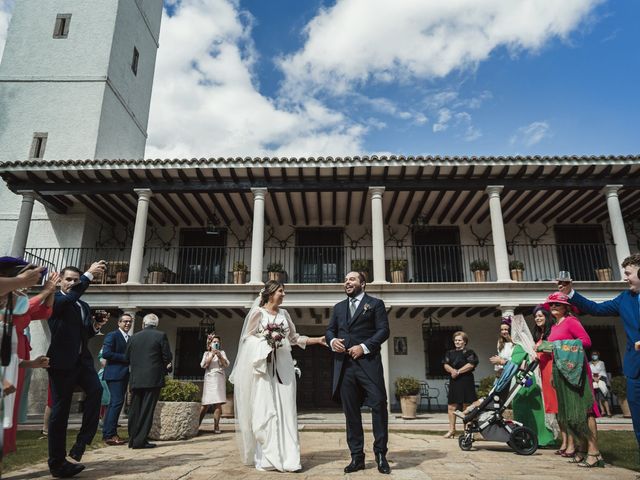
[[582, 438]]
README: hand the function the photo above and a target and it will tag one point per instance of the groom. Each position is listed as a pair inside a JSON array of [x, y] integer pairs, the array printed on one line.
[[357, 329]]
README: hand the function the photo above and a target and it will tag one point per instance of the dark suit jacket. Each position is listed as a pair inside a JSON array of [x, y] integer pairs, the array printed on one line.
[[113, 351], [148, 354], [369, 326], [71, 327], [627, 307]]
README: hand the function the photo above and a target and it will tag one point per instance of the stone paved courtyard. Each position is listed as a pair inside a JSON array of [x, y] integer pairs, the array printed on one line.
[[324, 455]]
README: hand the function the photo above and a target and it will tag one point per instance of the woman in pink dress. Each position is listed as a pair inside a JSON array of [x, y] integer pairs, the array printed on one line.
[[568, 327], [40, 308]]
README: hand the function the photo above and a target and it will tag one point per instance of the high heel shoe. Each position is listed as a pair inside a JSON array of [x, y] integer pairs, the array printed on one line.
[[450, 434], [598, 463], [566, 454], [578, 457], [560, 451]]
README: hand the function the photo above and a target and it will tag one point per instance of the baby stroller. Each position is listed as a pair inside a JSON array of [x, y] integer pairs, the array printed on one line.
[[487, 417]]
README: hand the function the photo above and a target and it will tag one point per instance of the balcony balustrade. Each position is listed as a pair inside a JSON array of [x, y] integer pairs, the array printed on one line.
[[328, 264]]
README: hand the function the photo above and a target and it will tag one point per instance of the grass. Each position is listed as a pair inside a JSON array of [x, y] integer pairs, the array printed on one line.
[[32, 449]]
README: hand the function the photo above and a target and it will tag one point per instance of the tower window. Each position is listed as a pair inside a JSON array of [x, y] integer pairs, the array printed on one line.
[[134, 61], [61, 28], [38, 145]]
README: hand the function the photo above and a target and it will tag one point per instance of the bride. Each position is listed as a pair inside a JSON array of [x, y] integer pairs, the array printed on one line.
[[265, 384]]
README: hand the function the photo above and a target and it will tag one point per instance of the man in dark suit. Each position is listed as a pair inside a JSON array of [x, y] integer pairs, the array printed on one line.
[[71, 364], [149, 357], [627, 306], [358, 328], [116, 374]]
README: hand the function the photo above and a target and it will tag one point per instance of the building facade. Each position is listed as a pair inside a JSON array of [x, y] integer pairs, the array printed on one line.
[[193, 239]]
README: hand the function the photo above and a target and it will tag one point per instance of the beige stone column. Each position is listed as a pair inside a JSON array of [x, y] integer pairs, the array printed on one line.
[[24, 222], [377, 235], [497, 232], [257, 236], [617, 223], [139, 234]]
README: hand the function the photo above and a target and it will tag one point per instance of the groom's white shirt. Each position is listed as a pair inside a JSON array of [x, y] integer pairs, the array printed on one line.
[[357, 304]]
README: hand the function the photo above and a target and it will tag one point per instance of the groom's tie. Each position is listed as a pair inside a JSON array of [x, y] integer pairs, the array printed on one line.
[[352, 306]]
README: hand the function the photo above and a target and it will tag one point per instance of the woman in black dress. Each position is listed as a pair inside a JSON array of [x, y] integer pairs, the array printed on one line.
[[460, 364]]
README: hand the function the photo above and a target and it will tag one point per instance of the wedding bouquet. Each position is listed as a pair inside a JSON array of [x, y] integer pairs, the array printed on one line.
[[274, 333]]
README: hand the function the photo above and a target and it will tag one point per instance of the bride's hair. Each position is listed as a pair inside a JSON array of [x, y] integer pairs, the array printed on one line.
[[269, 289]]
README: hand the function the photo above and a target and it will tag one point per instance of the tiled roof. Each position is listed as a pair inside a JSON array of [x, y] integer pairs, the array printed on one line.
[[373, 160]]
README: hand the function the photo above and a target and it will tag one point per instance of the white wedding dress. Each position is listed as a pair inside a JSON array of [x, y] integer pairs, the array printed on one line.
[[273, 421]]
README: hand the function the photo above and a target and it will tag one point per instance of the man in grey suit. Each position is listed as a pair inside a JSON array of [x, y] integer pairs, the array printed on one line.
[[149, 357]]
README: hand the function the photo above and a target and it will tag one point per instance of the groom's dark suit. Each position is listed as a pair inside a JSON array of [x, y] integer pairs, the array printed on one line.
[[361, 382]]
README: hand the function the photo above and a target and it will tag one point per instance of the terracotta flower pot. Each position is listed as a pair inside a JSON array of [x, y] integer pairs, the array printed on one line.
[[122, 277], [239, 277], [397, 276], [480, 275], [156, 277], [624, 406], [516, 275], [409, 406], [604, 274], [276, 276], [227, 408]]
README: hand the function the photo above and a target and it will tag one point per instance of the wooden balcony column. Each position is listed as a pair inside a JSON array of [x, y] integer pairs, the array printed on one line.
[[24, 222], [497, 232], [377, 234], [257, 236], [139, 233], [617, 223]]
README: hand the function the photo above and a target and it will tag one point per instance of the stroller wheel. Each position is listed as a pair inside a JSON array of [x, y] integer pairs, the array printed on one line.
[[465, 441], [523, 441]]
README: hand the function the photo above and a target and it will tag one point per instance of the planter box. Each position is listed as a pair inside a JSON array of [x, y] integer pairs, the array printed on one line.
[[480, 275], [122, 277], [239, 277], [227, 408], [175, 421], [409, 406], [156, 277], [516, 275], [604, 274], [398, 276]]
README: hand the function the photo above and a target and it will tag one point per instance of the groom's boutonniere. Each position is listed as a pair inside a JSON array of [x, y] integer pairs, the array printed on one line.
[[366, 307]]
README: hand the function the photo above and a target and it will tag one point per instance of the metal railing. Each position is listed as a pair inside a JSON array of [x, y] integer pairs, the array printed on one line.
[[327, 264]]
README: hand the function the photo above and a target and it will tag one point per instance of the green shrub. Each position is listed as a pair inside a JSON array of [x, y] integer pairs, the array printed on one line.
[[398, 265], [516, 265], [240, 267], [480, 264], [179, 391], [157, 267], [275, 267], [486, 384], [407, 386], [619, 387], [359, 265]]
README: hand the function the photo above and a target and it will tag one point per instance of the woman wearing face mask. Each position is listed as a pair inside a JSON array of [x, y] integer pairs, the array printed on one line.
[[214, 390], [600, 382]]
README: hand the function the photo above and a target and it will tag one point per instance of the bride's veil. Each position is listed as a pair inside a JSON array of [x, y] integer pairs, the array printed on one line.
[[241, 377]]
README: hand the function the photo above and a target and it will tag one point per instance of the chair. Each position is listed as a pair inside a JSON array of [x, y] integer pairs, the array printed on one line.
[[430, 393]]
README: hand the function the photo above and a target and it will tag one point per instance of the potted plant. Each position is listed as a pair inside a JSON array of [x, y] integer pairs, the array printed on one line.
[[603, 274], [517, 269], [239, 272], [157, 272], [480, 268], [361, 265], [276, 272], [398, 267], [122, 271], [177, 413], [619, 389], [227, 408], [407, 389]]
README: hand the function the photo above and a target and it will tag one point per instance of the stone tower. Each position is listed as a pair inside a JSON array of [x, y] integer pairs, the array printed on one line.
[[75, 83]]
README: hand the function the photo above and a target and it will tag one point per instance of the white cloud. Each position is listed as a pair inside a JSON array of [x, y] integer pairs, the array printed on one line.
[[356, 42], [531, 134], [216, 108], [444, 115]]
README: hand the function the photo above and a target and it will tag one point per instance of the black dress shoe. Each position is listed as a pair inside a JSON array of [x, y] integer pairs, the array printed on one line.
[[383, 465], [77, 451], [66, 470], [144, 445], [355, 465]]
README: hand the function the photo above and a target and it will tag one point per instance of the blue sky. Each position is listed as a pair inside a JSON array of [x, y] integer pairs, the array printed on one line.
[[411, 77]]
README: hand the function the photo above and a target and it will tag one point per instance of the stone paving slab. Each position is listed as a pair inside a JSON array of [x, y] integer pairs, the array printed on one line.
[[324, 455]]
